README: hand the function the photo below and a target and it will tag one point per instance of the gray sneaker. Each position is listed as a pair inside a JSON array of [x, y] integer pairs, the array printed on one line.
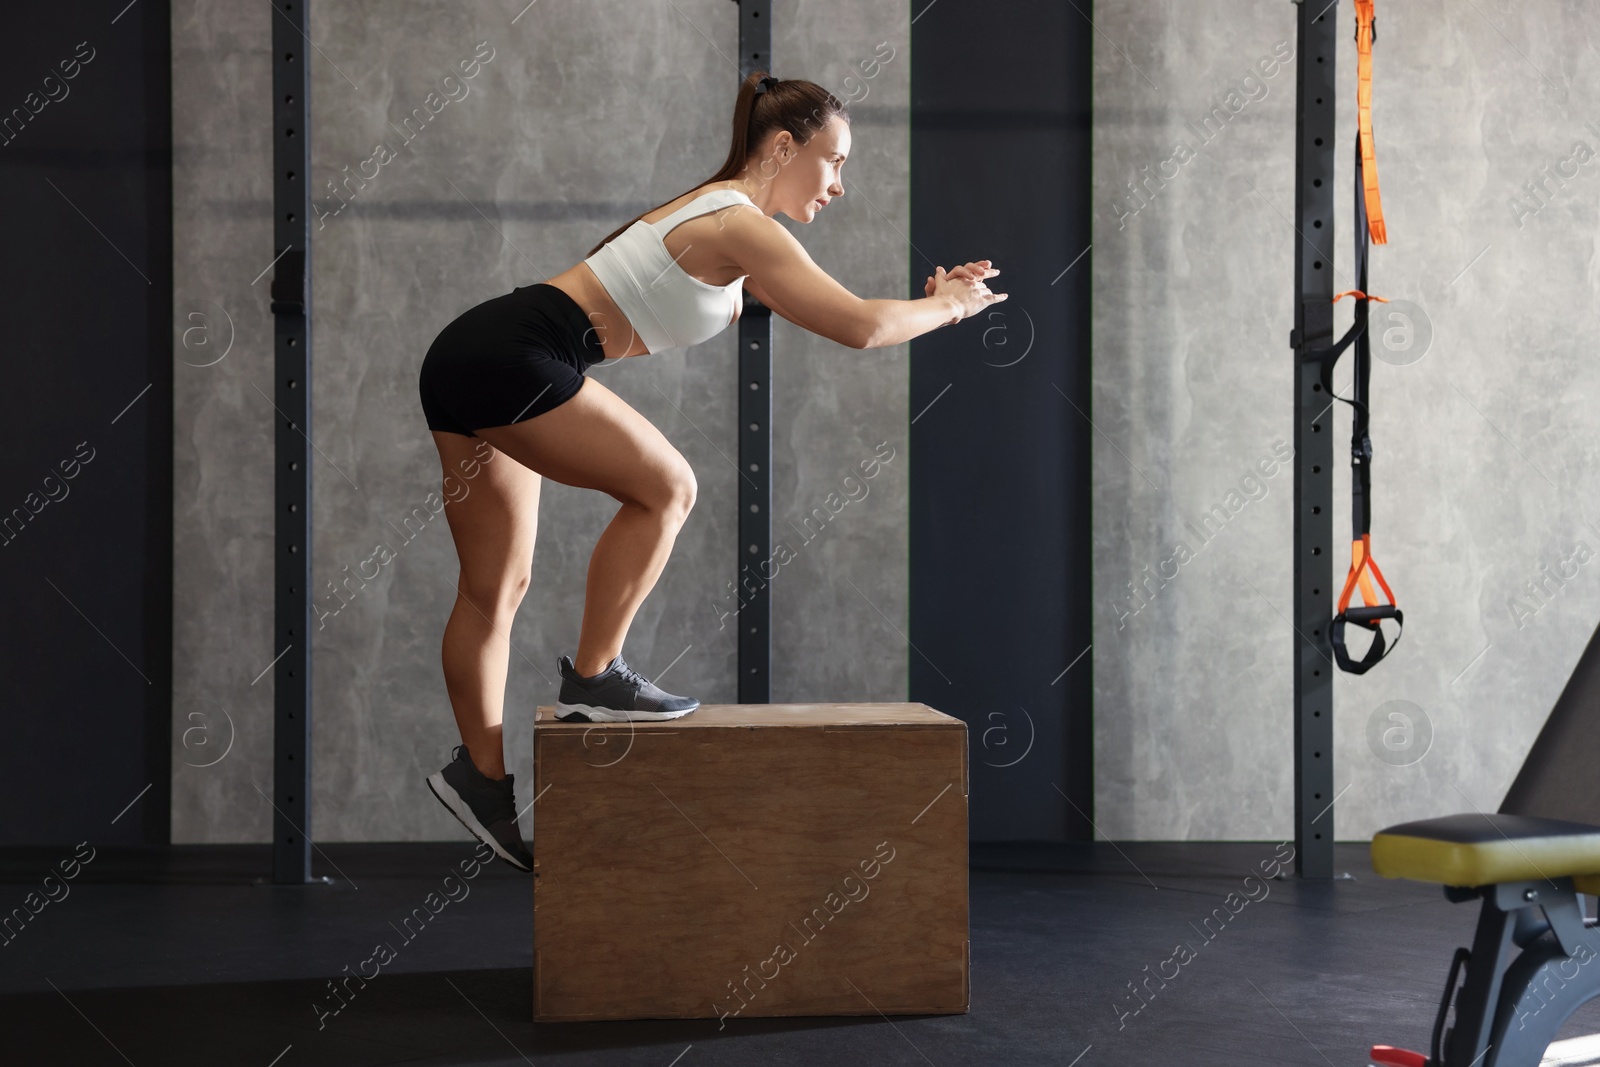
[[484, 806], [617, 694]]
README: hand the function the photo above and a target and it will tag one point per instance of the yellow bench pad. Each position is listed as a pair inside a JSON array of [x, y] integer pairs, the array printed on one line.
[[1479, 849]]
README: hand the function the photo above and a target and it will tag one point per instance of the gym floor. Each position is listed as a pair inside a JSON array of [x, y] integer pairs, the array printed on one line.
[[178, 957]]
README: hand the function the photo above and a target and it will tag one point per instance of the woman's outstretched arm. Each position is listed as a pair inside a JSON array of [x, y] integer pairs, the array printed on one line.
[[784, 277]]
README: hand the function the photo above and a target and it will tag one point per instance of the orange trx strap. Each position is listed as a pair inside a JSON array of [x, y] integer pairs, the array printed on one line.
[[1369, 161], [1369, 226]]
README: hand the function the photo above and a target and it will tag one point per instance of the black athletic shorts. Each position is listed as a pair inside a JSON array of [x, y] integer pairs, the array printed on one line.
[[507, 359]]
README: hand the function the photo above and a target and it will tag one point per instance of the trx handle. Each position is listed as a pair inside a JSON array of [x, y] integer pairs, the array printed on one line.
[[1368, 617]]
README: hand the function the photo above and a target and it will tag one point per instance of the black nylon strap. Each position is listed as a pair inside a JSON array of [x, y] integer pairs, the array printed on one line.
[[1368, 618], [1360, 440]]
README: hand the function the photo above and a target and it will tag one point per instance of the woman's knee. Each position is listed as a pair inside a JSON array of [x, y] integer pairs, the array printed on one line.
[[669, 489], [496, 592], [679, 490]]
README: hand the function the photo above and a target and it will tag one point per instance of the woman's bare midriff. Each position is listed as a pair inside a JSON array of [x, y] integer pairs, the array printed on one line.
[[580, 283]]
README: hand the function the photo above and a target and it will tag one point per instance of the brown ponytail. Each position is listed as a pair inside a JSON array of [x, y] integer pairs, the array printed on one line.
[[794, 104]]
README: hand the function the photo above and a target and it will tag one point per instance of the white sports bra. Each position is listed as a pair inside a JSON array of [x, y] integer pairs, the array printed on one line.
[[667, 307]]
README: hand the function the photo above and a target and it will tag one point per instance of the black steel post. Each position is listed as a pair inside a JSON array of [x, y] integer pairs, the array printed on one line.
[[291, 314], [755, 431], [1313, 438]]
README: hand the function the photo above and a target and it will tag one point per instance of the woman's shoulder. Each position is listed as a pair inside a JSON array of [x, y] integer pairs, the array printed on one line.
[[705, 190]]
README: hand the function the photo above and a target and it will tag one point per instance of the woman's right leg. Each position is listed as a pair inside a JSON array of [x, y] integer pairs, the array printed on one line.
[[597, 441], [492, 507]]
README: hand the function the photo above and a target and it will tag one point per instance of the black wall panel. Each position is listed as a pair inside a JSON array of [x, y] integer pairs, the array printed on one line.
[[1001, 618], [86, 472]]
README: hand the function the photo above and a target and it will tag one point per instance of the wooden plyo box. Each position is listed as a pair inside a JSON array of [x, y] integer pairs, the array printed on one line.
[[751, 860]]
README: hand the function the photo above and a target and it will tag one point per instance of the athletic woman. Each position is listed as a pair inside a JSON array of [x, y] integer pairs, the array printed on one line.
[[511, 372]]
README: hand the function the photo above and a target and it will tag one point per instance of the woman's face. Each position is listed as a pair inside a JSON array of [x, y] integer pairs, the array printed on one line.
[[815, 172], [809, 174]]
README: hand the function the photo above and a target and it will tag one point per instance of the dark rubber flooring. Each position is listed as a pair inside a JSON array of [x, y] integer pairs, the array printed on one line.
[[180, 957]]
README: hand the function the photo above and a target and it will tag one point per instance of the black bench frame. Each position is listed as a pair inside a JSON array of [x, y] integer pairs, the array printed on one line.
[[1510, 1007]]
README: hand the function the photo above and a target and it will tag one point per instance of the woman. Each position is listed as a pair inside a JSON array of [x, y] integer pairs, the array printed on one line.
[[511, 371]]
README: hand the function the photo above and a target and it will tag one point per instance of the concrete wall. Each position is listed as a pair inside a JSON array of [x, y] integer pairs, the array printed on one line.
[[584, 116], [1484, 473]]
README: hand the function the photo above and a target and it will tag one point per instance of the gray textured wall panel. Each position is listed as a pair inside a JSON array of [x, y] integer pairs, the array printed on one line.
[[585, 115], [1484, 446]]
